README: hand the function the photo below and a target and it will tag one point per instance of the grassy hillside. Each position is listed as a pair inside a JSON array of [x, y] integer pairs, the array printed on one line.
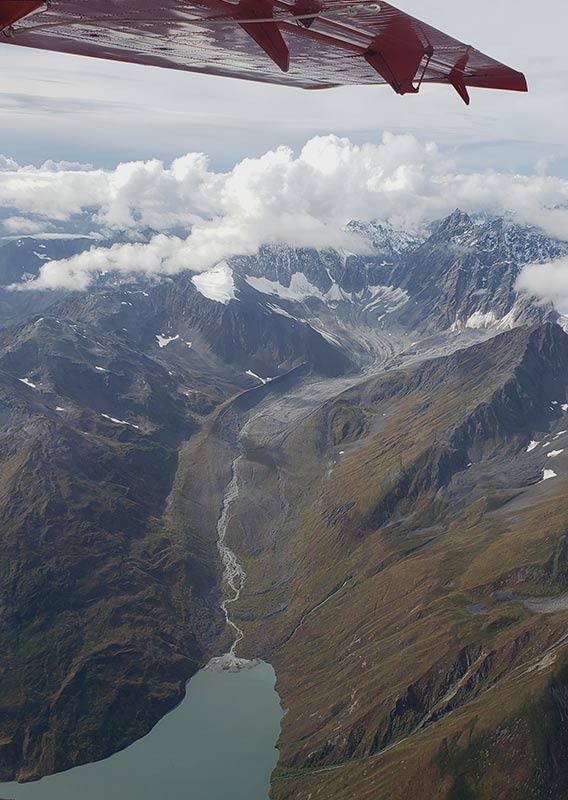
[[395, 601]]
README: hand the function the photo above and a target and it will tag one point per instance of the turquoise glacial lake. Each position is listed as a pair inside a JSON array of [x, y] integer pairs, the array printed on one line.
[[218, 744]]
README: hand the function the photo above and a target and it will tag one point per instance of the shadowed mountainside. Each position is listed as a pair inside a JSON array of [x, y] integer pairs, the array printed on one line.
[[109, 598]]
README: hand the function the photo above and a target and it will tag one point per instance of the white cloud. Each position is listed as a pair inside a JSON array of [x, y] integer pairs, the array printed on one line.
[[21, 226], [302, 200], [7, 164], [548, 282]]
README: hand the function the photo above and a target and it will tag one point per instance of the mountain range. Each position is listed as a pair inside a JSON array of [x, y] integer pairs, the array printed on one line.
[[401, 415]]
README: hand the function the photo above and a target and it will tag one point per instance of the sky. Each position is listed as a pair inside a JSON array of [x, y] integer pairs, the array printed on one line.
[[63, 107], [242, 164]]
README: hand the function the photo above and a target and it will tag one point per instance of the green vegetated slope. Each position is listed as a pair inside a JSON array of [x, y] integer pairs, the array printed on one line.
[[395, 601]]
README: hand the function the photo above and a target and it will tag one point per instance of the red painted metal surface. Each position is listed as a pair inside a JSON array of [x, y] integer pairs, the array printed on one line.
[[12, 11], [306, 43], [398, 55], [266, 34]]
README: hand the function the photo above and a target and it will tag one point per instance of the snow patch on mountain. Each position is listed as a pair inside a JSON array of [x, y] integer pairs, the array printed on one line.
[[278, 310], [387, 239], [391, 298], [216, 284], [163, 340], [28, 383], [479, 319], [120, 421], [383, 298], [483, 320], [300, 288], [252, 374]]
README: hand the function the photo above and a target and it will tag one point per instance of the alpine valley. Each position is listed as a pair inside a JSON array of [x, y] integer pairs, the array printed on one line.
[[400, 425]]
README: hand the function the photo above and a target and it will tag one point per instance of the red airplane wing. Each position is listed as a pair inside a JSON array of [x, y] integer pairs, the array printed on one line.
[[313, 44]]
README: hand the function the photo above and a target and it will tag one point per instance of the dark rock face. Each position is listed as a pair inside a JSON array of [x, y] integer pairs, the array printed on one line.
[[464, 275], [461, 276], [20, 260]]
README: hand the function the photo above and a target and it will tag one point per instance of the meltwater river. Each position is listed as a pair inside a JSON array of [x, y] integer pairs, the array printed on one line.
[[218, 744]]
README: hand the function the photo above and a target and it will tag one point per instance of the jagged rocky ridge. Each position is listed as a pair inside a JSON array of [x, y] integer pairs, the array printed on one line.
[[461, 275], [458, 275]]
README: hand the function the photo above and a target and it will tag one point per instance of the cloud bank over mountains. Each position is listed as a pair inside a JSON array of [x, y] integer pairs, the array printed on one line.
[[547, 281], [303, 199]]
